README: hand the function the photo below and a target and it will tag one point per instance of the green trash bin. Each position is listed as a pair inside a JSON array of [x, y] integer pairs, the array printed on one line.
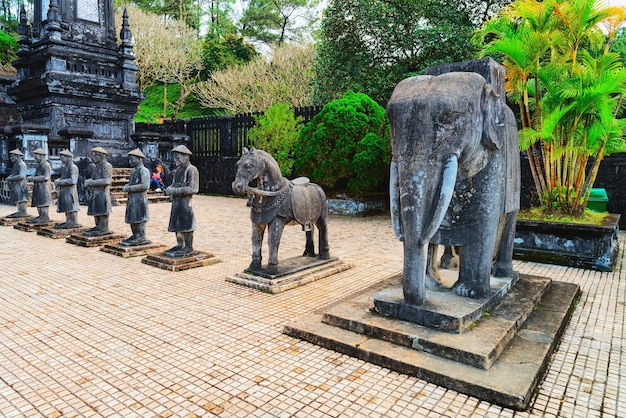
[[597, 200]]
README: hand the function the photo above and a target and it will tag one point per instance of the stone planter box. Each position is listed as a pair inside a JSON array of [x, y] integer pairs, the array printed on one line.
[[592, 247]]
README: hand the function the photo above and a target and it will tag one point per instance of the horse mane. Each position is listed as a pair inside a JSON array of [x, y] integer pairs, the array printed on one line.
[[270, 161], [271, 166]]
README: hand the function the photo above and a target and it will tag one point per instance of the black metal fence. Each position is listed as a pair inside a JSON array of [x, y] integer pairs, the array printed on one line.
[[216, 143]]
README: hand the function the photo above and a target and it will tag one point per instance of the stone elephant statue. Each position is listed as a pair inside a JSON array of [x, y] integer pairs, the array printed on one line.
[[455, 178]]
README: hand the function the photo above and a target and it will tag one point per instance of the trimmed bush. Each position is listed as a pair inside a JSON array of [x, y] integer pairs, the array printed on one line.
[[347, 143]]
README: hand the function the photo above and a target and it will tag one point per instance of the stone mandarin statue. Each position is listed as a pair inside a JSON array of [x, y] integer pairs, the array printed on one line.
[[99, 205], [17, 184], [137, 205], [182, 219], [42, 195], [68, 194]]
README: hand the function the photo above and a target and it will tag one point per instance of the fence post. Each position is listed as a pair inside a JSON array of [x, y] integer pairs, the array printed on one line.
[[226, 137]]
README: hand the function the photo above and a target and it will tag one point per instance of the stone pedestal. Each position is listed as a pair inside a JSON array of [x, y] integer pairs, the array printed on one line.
[[13, 221], [34, 227], [83, 241], [199, 259], [444, 310], [292, 272], [57, 233], [134, 250], [501, 357]]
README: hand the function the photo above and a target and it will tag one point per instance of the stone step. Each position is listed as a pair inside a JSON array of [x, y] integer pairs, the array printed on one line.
[[120, 178], [510, 381], [479, 346]]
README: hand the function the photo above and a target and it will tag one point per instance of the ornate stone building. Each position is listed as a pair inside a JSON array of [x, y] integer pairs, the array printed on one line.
[[75, 85]]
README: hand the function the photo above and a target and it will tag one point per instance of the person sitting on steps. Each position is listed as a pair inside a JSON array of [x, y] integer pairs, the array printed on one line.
[[156, 180]]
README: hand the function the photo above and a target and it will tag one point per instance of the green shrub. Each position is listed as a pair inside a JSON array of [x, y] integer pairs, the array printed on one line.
[[276, 131], [346, 143], [8, 48]]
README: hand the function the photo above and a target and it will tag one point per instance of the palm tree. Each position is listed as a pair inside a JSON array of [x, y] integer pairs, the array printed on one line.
[[569, 89]]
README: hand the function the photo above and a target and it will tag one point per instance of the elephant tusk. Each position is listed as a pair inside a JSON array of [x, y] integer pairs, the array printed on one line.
[[394, 200], [448, 181]]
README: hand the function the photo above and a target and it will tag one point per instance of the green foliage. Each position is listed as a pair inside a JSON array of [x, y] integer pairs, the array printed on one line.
[[619, 44], [588, 217], [187, 11], [369, 46], [258, 21], [348, 141], [151, 108], [8, 48], [221, 53], [278, 21], [569, 88], [276, 131]]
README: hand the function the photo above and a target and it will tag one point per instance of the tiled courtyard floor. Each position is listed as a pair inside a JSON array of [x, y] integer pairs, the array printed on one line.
[[84, 333]]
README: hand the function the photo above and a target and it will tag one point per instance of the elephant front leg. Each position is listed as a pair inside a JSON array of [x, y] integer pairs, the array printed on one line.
[[257, 240], [415, 256], [275, 232]]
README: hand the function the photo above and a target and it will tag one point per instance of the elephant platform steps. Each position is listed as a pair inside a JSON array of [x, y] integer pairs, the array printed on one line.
[[133, 250], [199, 259], [500, 359], [291, 273]]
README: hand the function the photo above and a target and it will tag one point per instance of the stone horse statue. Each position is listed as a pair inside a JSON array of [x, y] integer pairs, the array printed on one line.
[[277, 202]]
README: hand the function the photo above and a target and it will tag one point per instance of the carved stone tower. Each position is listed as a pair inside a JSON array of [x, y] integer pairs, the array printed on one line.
[[73, 78]]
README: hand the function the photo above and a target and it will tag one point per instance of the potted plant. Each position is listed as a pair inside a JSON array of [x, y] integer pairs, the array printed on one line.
[[569, 88]]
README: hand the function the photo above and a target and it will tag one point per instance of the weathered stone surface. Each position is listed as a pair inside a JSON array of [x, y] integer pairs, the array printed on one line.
[[33, 227], [292, 272], [481, 344], [199, 259], [59, 233], [454, 175], [444, 309], [510, 381], [583, 246], [133, 251], [277, 202], [13, 221], [93, 241]]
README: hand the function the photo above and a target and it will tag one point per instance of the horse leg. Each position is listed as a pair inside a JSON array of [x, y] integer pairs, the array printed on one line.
[[309, 248], [275, 232], [323, 238], [257, 240]]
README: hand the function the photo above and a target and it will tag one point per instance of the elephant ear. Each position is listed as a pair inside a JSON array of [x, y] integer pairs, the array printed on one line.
[[493, 119]]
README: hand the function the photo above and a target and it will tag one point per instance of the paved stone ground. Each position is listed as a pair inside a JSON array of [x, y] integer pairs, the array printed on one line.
[[84, 333]]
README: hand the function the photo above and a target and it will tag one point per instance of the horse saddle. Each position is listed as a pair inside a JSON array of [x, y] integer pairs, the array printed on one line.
[[305, 202]]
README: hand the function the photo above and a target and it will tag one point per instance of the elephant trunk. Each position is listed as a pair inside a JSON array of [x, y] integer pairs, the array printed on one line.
[[448, 181]]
